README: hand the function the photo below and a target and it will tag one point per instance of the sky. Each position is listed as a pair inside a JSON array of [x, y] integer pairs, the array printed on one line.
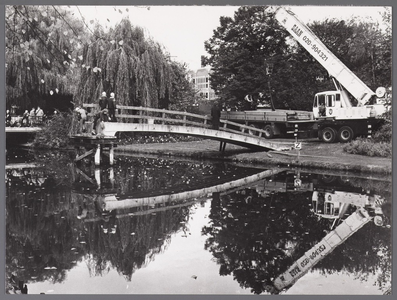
[[182, 30]]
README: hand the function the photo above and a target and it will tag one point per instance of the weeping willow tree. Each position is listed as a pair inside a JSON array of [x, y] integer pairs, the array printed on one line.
[[125, 62], [43, 47]]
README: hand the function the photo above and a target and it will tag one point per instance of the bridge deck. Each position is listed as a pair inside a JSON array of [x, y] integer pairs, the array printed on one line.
[[22, 129], [244, 140], [144, 119]]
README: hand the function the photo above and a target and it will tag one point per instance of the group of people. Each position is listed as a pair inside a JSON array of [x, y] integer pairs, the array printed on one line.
[[36, 116], [107, 112], [28, 118]]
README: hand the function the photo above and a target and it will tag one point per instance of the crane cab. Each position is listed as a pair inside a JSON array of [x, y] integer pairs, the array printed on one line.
[[326, 207], [335, 105]]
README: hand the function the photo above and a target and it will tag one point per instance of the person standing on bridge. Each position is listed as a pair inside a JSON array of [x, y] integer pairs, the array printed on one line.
[[25, 119], [112, 108], [32, 117], [102, 114], [216, 115], [81, 117], [39, 114], [8, 118]]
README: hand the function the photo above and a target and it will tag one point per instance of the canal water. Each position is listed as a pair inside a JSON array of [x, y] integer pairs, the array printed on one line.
[[164, 226]]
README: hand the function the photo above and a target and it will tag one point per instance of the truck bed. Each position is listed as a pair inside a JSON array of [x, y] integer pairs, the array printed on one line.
[[267, 116]]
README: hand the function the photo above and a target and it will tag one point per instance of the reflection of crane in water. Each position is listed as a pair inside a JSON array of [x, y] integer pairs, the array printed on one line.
[[350, 207], [332, 197], [335, 205], [332, 240]]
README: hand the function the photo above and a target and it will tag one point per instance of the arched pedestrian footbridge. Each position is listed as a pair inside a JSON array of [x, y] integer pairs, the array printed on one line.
[[143, 119]]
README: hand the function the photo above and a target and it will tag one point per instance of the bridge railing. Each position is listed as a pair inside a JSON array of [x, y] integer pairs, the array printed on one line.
[[139, 114], [234, 127], [147, 115]]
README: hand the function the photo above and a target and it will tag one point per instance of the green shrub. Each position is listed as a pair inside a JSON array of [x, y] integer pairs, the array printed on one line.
[[55, 133], [369, 147], [380, 144], [384, 134]]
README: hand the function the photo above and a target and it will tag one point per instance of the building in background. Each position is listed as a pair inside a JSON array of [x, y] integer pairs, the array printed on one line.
[[201, 80]]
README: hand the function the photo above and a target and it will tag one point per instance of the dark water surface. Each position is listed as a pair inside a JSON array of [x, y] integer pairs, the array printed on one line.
[[162, 226]]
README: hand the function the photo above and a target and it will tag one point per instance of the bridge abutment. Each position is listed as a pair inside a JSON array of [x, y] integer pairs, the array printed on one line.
[[98, 146]]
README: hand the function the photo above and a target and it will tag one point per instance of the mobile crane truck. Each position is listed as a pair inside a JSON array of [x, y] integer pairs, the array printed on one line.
[[333, 116]]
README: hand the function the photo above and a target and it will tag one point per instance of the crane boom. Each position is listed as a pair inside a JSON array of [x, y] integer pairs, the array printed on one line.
[[332, 240], [334, 116], [324, 56]]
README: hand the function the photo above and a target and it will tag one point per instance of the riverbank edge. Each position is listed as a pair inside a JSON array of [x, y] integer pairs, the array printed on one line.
[[290, 159]]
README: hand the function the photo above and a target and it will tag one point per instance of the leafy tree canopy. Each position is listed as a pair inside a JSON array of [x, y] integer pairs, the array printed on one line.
[[123, 61], [183, 92], [43, 47], [239, 50], [50, 53]]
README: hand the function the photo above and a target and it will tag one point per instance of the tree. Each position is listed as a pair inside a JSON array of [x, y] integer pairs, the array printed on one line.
[[362, 45], [239, 51], [257, 237], [183, 93], [43, 45], [241, 48], [310, 76], [50, 55], [371, 49], [123, 61]]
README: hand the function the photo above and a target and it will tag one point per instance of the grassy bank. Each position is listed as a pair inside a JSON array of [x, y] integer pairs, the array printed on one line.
[[314, 155]]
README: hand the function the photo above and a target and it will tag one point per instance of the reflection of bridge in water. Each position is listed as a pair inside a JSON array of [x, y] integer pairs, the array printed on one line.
[[106, 198], [143, 119], [110, 202]]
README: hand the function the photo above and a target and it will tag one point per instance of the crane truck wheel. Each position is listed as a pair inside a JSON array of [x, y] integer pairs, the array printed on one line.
[[328, 135], [345, 134], [328, 178], [252, 132], [269, 133]]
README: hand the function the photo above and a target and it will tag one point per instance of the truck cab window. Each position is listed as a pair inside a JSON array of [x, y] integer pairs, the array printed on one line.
[[321, 100], [328, 208], [330, 101]]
